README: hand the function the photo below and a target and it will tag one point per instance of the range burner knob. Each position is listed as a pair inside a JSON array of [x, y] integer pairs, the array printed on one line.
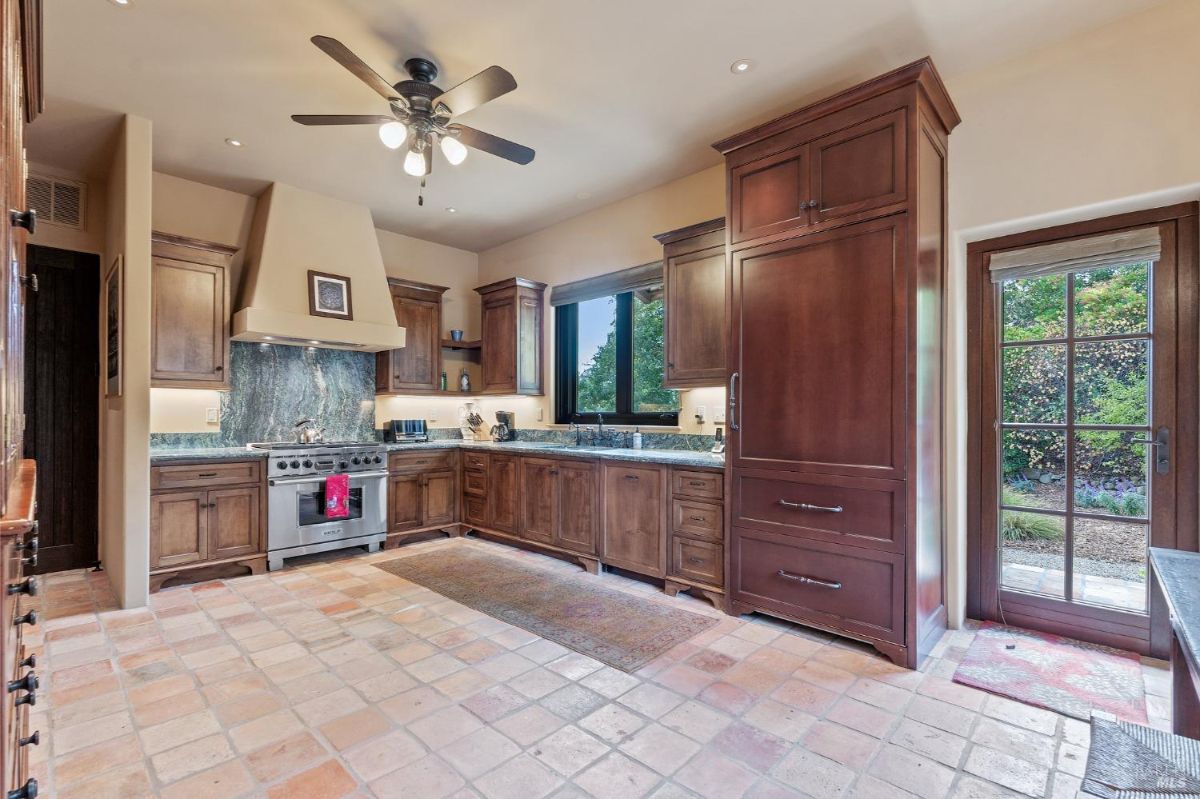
[[281, 465], [378, 459], [307, 464], [356, 460], [343, 465], [295, 464]]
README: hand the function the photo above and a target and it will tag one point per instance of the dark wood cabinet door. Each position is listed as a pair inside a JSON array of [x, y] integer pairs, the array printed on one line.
[[502, 493], [635, 518], [578, 494], [499, 355], [701, 561], [859, 168], [190, 318], [695, 318], [833, 399], [417, 365], [178, 528], [233, 522], [539, 501], [769, 195], [439, 498], [404, 502], [529, 343]]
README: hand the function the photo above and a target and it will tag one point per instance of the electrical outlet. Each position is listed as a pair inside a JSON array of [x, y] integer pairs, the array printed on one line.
[[700, 412], [431, 415], [212, 415], [719, 416]]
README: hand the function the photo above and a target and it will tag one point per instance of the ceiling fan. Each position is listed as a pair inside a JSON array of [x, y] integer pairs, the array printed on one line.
[[421, 112]]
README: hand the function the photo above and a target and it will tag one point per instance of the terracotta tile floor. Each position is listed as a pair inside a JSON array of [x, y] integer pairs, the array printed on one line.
[[336, 679]]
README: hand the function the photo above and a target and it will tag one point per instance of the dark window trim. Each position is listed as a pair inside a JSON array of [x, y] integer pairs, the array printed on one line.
[[566, 377]]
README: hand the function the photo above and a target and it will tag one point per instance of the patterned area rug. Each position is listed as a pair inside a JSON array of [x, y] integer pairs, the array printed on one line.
[[613, 627], [1056, 673]]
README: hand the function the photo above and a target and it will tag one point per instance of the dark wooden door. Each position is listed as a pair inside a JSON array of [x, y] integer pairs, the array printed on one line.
[[404, 502], [819, 338], [438, 497], [539, 519], [859, 168], [695, 316], [499, 356], [190, 318], [233, 522], [769, 195], [502, 493], [178, 528], [635, 518], [417, 365], [578, 491], [62, 373]]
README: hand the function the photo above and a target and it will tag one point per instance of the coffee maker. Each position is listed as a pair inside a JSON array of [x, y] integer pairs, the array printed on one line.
[[505, 428]]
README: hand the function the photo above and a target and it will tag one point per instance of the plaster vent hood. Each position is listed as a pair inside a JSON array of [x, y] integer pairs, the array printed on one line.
[[296, 231]]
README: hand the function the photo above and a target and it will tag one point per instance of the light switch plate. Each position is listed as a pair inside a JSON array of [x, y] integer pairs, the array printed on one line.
[[719, 416], [212, 415], [541, 414], [701, 412], [431, 415]]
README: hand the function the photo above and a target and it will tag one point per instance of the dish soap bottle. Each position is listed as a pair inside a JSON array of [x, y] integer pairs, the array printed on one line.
[[444, 383], [637, 438], [464, 381]]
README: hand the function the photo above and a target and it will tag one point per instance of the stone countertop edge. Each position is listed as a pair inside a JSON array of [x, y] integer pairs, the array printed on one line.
[[669, 457]]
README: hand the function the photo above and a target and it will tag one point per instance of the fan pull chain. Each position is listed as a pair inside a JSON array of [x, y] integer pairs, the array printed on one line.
[[421, 193]]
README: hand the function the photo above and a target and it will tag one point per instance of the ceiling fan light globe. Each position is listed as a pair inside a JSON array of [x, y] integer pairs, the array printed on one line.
[[414, 164], [454, 150], [393, 135]]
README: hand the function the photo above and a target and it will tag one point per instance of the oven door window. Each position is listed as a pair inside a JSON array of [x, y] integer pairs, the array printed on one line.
[[312, 506]]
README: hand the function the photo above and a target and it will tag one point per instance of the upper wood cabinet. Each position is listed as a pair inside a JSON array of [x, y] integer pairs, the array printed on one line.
[[190, 314], [512, 337], [694, 272], [791, 181], [416, 367]]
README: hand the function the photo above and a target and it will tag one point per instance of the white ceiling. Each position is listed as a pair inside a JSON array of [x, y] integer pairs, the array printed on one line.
[[616, 96]]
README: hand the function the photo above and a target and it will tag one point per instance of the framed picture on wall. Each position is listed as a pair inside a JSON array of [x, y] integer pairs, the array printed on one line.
[[114, 313], [329, 295]]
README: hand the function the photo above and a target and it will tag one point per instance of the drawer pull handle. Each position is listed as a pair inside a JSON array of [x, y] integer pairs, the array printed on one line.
[[29, 618], [805, 506], [697, 483], [28, 698], [34, 739], [27, 791], [632, 477], [696, 561], [800, 578], [29, 587], [29, 662], [207, 474], [696, 518], [27, 683]]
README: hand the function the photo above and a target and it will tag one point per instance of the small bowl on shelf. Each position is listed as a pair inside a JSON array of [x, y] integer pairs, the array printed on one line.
[[456, 335]]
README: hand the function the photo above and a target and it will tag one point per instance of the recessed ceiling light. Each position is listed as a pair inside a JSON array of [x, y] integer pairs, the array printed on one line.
[[583, 195], [450, 209], [121, 3], [234, 142], [741, 65]]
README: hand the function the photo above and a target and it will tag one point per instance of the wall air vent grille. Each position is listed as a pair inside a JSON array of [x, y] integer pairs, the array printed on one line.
[[58, 201]]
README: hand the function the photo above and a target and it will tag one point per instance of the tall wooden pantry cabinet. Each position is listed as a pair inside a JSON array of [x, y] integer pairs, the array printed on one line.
[[836, 234]]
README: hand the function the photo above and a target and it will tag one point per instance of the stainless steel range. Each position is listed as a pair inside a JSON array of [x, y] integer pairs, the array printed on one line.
[[296, 520]]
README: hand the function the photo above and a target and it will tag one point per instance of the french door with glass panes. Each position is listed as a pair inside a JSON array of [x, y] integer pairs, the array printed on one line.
[[1081, 382]]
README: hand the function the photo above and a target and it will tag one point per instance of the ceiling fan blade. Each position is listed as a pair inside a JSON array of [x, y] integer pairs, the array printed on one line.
[[341, 119], [517, 153], [341, 54], [475, 91]]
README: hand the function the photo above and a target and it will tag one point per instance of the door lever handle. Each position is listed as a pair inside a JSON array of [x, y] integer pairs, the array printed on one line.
[[1162, 449]]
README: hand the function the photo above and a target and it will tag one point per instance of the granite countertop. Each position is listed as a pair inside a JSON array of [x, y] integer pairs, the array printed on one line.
[[1179, 575], [673, 457]]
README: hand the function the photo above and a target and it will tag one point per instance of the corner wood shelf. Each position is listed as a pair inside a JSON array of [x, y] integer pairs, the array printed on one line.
[[451, 344]]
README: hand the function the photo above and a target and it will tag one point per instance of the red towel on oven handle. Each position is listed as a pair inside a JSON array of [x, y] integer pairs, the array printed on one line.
[[337, 496]]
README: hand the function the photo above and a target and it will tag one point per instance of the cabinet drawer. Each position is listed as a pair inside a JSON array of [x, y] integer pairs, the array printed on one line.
[[850, 589], [475, 483], [475, 460], [697, 519], [475, 511], [859, 512], [701, 485], [205, 475], [420, 461], [702, 561]]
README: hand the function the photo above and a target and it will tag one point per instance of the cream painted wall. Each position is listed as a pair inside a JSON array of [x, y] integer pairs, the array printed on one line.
[[124, 435], [91, 238], [617, 236]]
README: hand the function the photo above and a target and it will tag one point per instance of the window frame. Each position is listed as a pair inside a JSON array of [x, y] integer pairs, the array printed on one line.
[[566, 370]]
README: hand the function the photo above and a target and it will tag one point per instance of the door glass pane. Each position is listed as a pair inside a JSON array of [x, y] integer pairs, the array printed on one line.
[[1110, 563], [1112, 301], [597, 386], [1034, 469], [1034, 308], [649, 396], [1035, 384], [1110, 382], [1033, 552], [1110, 472]]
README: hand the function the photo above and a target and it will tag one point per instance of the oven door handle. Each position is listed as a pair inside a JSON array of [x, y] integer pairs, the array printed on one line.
[[287, 481]]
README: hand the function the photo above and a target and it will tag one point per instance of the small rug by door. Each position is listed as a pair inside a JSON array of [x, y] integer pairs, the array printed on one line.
[[1048, 671], [613, 627]]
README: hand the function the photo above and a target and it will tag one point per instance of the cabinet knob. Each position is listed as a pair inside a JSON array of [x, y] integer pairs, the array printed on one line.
[[29, 662], [670, 365], [26, 219], [27, 791], [29, 587], [30, 618], [31, 282], [34, 739], [29, 545], [29, 698], [27, 683], [812, 203]]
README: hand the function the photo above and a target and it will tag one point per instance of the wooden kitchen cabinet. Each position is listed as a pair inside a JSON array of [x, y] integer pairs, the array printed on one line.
[[415, 368], [196, 526], [439, 498], [189, 343], [511, 355], [539, 506], [578, 506], [694, 278], [423, 494], [404, 502], [503, 494], [635, 517]]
